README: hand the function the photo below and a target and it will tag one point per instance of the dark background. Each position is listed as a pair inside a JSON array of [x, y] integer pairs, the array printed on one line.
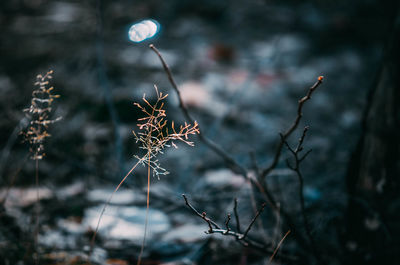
[[242, 66]]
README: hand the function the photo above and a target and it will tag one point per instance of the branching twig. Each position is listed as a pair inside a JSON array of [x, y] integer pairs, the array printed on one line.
[[296, 168], [293, 127], [241, 238]]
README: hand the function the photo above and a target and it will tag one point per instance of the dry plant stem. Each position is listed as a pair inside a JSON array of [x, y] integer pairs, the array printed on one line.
[[202, 216], [293, 127], [235, 166], [236, 215], [253, 220], [147, 213], [254, 206], [35, 134], [278, 227], [243, 239], [37, 211], [296, 168], [228, 219], [278, 246], [107, 203]]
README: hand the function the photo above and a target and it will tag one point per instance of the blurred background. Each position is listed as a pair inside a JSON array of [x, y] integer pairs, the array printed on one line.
[[241, 67]]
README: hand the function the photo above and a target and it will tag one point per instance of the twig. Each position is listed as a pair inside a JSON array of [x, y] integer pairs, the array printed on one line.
[[254, 219], [243, 239], [147, 206], [278, 246], [37, 211], [202, 215], [234, 165], [215, 228], [296, 168], [296, 122], [236, 215], [228, 218], [106, 204]]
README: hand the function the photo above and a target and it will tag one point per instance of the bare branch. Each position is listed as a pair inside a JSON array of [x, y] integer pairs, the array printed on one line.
[[293, 127], [202, 215], [296, 169], [236, 215], [243, 239], [254, 220], [278, 246]]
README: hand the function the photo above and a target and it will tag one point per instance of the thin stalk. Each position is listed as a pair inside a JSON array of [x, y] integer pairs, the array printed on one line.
[[278, 246], [107, 203], [147, 212], [37, 211]]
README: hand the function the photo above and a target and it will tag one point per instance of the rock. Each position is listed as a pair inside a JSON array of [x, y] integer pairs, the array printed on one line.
[[103, 194], [221, 178], [20, 197], [126, 222]]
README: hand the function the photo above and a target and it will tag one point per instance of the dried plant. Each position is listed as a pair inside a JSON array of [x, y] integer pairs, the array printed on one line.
[[39, 115], [154, 135], [36, 133]]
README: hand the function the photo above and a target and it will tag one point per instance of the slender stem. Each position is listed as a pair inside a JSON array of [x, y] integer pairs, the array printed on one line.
[[278, 246], [296, 169], [37, 211], [108, 202], [199, 214], [254, 219], [236, 216], [147, 211]]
